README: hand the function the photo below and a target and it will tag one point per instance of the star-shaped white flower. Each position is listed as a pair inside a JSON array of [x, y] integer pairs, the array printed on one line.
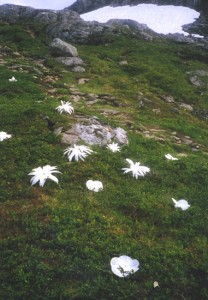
[[183, 204], [4, 136], [13, 79], [77, 152], [124, 265], [41, 174], [114, 147], [65, 107], [170, 157], [94, 185], [136, 169]]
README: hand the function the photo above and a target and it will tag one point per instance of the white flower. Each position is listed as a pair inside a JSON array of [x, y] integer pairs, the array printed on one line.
[[114, 147], [94, 185], [155, 284], [183, 204], [170, 157], [13, 79], [41, 174], [4, 136], [77, 152], [65, 107], [136, 169], [124, 265]]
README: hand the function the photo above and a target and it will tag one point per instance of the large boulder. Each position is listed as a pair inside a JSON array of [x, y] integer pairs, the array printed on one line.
[[67, 55], [60, 48]]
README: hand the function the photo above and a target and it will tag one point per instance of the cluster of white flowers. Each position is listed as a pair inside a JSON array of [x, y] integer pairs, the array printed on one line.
[[123, 265]]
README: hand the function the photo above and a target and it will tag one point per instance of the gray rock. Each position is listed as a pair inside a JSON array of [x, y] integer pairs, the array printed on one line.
[[196, 81], [169, 99], [186, 140], [91, 97], [121, 136], [69, 138], [107, 112], [201, 73], [156, 110], [83, 80], [70, 61], [196, 77], [75, 30], [123, 63], [201, 114], [128, 24], [13, 13], [186, 106], [46, 17], [181, 38], [146, 36], [83, 6], [61, 48], [94, 133], [78, 69]]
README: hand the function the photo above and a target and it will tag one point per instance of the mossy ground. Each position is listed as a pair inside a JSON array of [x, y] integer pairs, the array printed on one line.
[[56, 242]]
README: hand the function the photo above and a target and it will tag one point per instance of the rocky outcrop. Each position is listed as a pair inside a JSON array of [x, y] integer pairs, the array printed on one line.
[[76, 30], [16, 13], [66, 25], [83, 6], [13, 13], [93, 132], [199, 26], [70, 27]]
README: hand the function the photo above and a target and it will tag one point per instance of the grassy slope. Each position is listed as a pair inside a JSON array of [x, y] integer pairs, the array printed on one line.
[[56, 242]]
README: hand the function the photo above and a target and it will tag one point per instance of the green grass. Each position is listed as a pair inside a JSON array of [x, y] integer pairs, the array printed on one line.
[[57, 241]]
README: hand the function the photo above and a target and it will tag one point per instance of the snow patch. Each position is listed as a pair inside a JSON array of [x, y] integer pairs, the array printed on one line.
[[162, 19]]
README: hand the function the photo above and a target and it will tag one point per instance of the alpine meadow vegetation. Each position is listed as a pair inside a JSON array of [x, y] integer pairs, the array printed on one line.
[[58, 241]]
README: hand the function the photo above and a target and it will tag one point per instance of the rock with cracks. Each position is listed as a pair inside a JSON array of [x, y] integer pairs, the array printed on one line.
[[94, 133]]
